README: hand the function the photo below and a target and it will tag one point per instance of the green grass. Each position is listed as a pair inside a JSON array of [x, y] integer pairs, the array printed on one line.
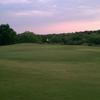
[[49, 72]]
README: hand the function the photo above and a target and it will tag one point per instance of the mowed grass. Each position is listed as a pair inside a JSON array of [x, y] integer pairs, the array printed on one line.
[[49, 72]]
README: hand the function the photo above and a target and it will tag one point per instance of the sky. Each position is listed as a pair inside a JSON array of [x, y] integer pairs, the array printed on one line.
[[50, 16]]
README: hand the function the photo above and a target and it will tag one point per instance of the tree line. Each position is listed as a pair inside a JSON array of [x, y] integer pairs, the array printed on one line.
[[9, 36]]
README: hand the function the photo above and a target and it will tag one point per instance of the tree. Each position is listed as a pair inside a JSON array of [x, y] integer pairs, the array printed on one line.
[[94, 39], [28, 37], [7, 35]]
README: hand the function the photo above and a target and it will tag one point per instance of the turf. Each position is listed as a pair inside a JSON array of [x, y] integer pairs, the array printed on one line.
[[49, 72]]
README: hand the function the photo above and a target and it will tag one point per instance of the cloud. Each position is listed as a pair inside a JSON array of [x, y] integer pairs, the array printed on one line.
[[64, 27], [36, 13], [13, 1], [43, 13], [43, 1]]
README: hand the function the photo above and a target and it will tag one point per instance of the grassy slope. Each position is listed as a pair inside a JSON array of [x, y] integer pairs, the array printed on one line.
[[49, 72]]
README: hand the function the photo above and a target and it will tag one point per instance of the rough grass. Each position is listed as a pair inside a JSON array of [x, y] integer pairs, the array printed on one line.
[[49, 72]]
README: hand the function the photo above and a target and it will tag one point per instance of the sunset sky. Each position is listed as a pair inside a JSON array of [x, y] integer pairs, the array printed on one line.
[[50, 16]]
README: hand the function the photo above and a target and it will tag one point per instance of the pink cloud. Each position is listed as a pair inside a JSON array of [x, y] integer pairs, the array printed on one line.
[[69, 27], [62, 27]]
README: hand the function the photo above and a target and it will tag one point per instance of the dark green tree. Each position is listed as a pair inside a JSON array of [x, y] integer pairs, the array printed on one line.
[[28, 37], [7, 35]]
